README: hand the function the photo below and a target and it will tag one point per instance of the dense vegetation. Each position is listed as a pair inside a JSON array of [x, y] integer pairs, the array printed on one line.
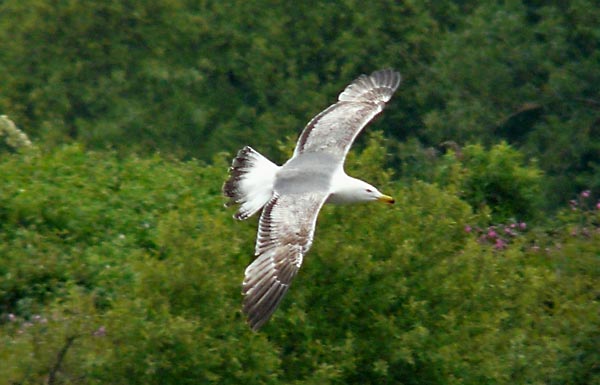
[[119, 264], [198, 77]]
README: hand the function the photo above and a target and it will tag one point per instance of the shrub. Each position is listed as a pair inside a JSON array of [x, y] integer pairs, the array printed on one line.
[[498, 180], [128, 270]]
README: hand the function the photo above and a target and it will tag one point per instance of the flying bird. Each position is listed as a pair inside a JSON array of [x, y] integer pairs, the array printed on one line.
[[292, 195]]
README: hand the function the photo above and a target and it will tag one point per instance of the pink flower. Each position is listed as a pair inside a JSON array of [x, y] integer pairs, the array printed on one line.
[[598, 205], [468, 228], [12, 317], [492, 233], [522, 225], [500, 244], [585, 194], [100, 332], [510, 232]]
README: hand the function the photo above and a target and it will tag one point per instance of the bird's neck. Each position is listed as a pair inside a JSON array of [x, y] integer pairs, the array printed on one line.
[[343, 188]]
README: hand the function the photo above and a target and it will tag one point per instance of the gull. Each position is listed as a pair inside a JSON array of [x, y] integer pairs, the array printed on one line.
[[292, 195]]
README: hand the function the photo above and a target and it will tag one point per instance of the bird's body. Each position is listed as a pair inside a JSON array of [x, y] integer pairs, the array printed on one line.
[[291, 195], [310, 173]]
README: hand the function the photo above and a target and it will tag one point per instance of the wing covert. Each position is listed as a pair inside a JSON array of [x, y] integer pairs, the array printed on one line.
[[285, 234], [335, 128]]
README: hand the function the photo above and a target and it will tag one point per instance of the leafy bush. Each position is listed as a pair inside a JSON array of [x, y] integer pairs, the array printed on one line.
[[118, 268], [194, 79], [191, 78], [497, 179], [127, 270], [526, 73], [497, 182]]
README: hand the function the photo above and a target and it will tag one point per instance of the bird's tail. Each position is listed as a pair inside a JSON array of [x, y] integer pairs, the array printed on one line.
[[250, 183]]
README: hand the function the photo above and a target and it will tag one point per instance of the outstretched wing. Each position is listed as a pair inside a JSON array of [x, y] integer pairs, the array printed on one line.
[[285, 234], [335, 128]]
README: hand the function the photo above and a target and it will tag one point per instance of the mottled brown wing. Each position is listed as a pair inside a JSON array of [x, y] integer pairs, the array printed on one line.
[[335, 128], [285, 234]]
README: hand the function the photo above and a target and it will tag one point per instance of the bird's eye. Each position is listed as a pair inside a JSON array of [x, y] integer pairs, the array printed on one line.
[[369, 190]]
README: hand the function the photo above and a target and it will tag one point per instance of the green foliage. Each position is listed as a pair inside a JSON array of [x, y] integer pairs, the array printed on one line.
[[197, 78], [496, 179], [497, 182], [525, 72], [127, 271], [118, 257], [191, 77]]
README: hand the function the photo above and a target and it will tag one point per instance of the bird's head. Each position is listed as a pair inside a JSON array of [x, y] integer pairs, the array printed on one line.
[[352, 190], [365, 192]]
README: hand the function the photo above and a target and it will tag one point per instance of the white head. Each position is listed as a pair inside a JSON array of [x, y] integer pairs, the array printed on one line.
[[350, 190]]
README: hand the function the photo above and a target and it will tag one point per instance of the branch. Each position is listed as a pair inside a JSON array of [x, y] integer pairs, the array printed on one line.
[[59, 359]]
